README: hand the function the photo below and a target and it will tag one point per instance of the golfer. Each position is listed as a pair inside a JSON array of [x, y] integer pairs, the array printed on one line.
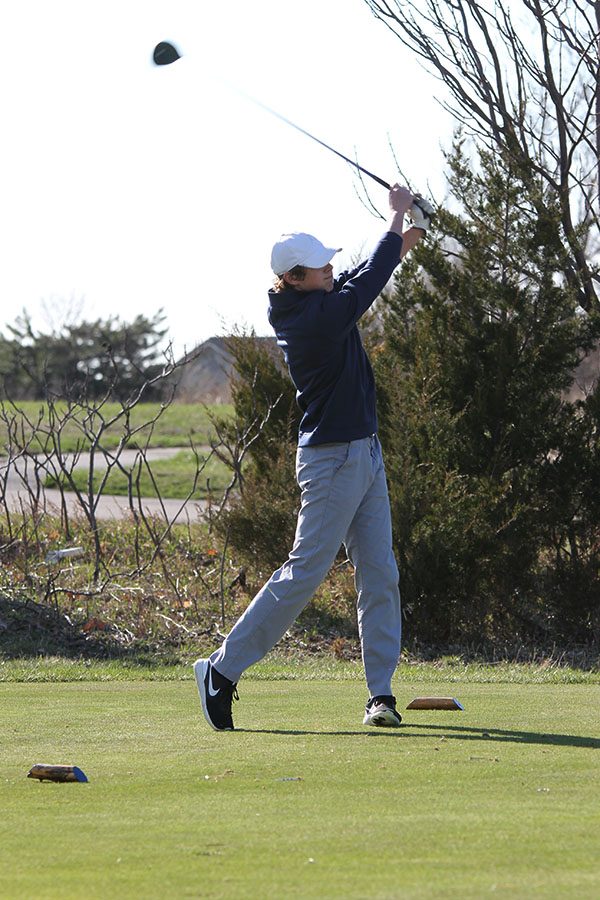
[[344, 496]]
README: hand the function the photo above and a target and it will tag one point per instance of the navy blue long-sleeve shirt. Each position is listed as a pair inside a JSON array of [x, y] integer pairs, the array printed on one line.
[[317, 331]]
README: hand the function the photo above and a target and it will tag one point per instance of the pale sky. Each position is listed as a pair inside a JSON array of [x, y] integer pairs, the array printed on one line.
[[125, 187]]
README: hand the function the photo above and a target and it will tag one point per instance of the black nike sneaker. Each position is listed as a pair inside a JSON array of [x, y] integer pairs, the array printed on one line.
[[216, 693], [382, 711]]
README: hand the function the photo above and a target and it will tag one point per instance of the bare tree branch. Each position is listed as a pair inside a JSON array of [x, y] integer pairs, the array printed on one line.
[[529, 90]]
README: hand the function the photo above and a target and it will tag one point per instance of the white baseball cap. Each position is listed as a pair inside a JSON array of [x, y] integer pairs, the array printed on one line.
[[299, 249]]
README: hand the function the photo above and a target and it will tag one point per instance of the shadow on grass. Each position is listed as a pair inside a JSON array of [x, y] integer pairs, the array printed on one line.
[[449, 732]]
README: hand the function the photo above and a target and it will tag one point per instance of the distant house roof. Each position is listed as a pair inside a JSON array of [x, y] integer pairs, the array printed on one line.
[[206, 372]]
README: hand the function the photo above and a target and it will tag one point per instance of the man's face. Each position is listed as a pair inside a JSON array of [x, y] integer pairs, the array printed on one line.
[[315, 279]]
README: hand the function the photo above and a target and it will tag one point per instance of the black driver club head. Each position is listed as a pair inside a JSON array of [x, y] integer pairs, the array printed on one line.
[[165, 54]]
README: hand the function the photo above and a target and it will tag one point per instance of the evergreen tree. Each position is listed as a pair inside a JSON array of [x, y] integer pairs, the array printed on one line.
[[81, 360], [260, 521], [493, 475]]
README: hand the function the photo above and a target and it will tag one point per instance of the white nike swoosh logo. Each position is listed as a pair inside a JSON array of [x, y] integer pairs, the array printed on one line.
[[211, 692]]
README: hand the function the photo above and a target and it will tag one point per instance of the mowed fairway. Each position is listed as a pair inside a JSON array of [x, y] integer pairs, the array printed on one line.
[[500, 800]]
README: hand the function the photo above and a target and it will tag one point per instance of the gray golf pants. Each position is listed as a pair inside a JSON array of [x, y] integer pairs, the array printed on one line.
[[344, 500]]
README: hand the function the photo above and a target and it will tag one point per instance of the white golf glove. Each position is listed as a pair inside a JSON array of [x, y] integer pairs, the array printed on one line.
[[421, 213]]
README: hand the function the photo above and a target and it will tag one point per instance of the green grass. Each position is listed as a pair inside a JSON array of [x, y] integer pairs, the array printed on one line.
[[282, 666], [500, 800], [177, 423], [173, 477]]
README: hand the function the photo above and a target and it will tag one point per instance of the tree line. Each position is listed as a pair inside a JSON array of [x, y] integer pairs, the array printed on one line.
[[82, 359]]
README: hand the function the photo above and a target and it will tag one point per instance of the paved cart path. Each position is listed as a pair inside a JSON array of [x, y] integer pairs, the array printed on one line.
[[109, 506]]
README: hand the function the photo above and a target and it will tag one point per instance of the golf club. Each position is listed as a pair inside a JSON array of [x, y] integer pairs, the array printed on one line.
[[165, 54]]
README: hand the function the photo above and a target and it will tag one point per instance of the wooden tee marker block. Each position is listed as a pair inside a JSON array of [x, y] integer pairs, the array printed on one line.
[[434, 703], [44, 772]]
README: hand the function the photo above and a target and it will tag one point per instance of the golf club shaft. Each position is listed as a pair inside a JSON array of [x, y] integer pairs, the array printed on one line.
[[318, 140]]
